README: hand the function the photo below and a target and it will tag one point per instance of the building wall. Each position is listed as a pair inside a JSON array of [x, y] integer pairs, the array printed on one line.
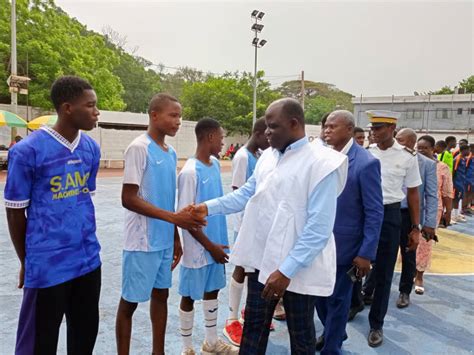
[[437, 112]]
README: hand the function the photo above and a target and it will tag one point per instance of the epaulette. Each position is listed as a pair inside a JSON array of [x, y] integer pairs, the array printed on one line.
[[411, 151]]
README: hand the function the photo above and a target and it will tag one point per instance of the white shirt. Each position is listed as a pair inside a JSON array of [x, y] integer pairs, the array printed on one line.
[[347, 147], [399, 168]]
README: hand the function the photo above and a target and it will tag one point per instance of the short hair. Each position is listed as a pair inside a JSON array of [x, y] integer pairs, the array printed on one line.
[[158, 101], [260, 125], [441, 144], [206, 126], [324, 118], [464, 141], [428, 139], [358, 130], [67, 88], [291, 108], [450, 139], [346, 115], [463, 147]]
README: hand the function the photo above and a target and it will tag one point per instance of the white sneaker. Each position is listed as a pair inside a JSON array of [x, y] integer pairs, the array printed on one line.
[[188, 351], [219, 348]]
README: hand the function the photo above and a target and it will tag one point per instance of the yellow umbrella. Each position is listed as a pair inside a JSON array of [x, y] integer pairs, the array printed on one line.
[[48, 120], [11, 120]]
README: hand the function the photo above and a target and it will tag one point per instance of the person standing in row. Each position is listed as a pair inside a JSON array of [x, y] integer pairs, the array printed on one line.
[[428, 191], [359, 217], [399, 168]]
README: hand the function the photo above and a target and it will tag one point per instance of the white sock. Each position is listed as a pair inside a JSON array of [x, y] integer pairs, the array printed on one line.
[[235, 295], [210, 308], [186, 320]]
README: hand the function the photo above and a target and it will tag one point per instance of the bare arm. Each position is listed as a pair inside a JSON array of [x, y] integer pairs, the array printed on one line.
[[17, 226], [182, 218], [216, 250]]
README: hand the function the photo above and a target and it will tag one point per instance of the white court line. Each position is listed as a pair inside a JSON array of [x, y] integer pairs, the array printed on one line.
[[438, 274]]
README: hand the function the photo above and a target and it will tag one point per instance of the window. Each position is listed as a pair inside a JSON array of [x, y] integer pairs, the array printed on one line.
[[414, 114], [442, 113], [472, 111], [459, 111]]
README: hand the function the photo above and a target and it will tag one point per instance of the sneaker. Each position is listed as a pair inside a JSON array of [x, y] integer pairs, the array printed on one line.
[[188, 351], [233, 332], [219, 348], [279, 313]]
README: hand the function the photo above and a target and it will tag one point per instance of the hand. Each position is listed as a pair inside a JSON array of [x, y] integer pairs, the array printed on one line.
[[276, 285], [21, 276], [177, 252], [200, 210], [428, 230], [218, 253], [362, 265], [413, 240], [187, 219]]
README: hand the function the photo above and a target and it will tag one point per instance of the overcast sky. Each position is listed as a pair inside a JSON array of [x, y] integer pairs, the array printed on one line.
[[363, 47]]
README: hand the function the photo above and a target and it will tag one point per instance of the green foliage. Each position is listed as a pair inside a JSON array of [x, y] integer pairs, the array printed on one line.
[[228, 99], [468, 84], [445, 90], [57, 45]]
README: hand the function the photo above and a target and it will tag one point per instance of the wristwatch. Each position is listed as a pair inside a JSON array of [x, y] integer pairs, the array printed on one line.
[[416, 226]]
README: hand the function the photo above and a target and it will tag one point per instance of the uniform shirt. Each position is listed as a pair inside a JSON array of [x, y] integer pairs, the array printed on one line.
[[447, 158], [54, 180], [399, 168], [153, 169], [198, 182], [243, 165], [459, 174]]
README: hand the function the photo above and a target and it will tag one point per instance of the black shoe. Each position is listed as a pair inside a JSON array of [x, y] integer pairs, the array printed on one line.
[[403, 300], [320, 343], [368, 298], [354, 310], [375, 338]]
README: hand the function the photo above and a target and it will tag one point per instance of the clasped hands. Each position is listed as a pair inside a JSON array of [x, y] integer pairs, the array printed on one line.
[[191, 217]]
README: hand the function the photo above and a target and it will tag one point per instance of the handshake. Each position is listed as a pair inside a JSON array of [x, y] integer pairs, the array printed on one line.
[[191, 217]]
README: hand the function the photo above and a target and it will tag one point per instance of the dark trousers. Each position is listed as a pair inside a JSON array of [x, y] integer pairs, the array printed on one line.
[[408, 257], [369, 283], [356, 297], [42, 311], [333, 312], [258, 316], [384, 264]]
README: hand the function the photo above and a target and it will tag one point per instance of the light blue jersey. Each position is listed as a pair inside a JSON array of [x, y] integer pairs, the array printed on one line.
[[153, 169], [198, 182]]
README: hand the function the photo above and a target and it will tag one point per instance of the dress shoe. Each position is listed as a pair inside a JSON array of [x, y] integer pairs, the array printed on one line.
[[354, 310], [320, 342], [375, 338], [403, 300]]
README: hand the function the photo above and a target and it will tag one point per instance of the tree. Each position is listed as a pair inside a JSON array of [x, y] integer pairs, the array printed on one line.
[[445, 90], [468, 84], [317, 107]]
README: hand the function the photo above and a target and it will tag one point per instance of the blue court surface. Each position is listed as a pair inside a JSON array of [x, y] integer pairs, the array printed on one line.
[[439, 322]]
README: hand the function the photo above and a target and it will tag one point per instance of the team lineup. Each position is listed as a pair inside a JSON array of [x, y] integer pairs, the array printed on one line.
[[311, 220]]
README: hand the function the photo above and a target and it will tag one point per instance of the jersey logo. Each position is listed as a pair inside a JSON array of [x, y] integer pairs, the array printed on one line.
[[205, 181], [158, 162]]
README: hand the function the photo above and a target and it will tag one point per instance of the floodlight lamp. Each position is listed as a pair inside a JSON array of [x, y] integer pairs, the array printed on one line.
[[262, 43], [257, 27], [260, 15], [255, 41], [254, 13]]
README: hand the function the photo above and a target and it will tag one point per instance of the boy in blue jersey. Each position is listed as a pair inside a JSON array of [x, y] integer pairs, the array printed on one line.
[[243, 166], [51, 177], [152, 246], [202, 272]]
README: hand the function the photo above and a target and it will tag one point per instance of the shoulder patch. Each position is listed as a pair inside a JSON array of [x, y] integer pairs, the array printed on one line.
[[411, 151]]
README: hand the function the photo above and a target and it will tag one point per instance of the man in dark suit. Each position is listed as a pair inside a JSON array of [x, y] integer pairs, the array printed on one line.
[[357, 227]]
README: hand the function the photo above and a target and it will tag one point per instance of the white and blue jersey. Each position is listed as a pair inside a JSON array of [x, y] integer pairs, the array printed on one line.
[[153, 169], [198, 182], [243, 165], [54, 179]]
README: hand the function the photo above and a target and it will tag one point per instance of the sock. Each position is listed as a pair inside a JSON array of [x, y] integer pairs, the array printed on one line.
[[210, 308], [186, 320], [235, 295]]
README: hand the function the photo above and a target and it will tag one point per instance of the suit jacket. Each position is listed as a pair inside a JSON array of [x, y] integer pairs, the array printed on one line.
[[359, 214], [428, 192]]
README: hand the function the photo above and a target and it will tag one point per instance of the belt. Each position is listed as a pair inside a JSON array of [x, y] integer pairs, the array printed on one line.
[[392, 206]]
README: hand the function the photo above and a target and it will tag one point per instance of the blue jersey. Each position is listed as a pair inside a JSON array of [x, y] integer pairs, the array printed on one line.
[[153, 169], [54, 180], [459, 174], [198, 182]]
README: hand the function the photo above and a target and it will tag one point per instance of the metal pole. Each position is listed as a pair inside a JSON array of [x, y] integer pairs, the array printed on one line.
[[302, 88], [469, 119], [255, 81], [14, 95]]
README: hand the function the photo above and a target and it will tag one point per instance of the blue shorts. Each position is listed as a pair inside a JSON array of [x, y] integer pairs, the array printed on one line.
[[194, 282], [143, 271]]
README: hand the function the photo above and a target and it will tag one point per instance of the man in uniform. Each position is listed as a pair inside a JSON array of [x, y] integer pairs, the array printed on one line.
[[399, 168]]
